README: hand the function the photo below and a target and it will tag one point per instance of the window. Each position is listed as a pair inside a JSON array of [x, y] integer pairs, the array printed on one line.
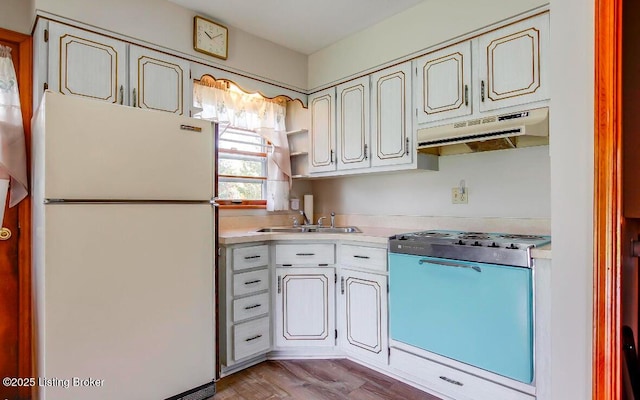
[[242, 165], [244, 156]]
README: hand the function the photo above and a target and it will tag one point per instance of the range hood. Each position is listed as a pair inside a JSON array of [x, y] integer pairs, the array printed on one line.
[[497, 132]]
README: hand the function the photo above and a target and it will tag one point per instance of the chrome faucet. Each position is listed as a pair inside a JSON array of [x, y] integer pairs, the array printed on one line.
[[304, 217], [320, 220], [333, 219]]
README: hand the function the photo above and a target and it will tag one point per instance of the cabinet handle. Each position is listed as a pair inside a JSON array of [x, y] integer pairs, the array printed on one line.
[[342, 284], [453, 382], [251, 257], [121, 94], [482, 91], [252, 282], [279, 284], [253, 338], [466, 95], [134, 97], [406, 147], [366, 149], [253, 306], [305, 254], [357, 256], [331, 157]]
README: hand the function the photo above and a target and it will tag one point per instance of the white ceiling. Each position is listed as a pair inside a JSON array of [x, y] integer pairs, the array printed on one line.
[[305, 26]]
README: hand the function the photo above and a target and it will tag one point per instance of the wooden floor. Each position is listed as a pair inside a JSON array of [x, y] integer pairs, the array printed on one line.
[[314, 380]]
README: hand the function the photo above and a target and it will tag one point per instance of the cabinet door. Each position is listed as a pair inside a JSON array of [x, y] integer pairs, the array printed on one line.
[[85, 64], [305, 304], [353, 124], [391, 116], [444, 83], [158, 81], [323, 131], [363, 314], [513, 64]]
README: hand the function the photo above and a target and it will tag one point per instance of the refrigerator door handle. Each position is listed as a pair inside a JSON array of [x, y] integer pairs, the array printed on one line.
[[214, 202]]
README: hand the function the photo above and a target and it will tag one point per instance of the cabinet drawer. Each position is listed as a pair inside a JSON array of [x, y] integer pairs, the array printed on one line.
[[293, 254], [249, 257], [449, 381], [251, 338], [250, 282], [251, 306], [373, 258]]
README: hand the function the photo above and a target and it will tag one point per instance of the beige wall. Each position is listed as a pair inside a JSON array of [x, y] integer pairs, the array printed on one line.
[[420, 27], [17, 15], [506, 183], [572, 172], [166, 24]]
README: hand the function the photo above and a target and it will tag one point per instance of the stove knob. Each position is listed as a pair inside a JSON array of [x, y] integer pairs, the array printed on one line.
[[493, 245], [513, 247], [460, 242], [476, 243]]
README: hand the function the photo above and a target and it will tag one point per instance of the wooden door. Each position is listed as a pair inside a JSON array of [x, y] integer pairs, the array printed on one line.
[[352, 100], [15, 256], [391, 118], [323, 131], [444, 83], [363, 313], [158, 81], [305, 302], [86, 64], [512, 64]]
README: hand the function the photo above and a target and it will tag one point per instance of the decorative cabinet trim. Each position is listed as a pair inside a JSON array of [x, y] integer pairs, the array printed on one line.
[[532, 35], [457, 60], [323, 333], [350, 283], [143, 63]]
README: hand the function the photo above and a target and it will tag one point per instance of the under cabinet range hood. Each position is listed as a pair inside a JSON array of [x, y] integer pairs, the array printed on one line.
[[497, 132]]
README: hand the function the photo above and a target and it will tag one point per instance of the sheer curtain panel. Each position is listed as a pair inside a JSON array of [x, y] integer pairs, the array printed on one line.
[[13, 157]]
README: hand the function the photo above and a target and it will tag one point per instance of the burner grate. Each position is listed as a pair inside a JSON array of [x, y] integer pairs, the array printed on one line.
[[430, 234]]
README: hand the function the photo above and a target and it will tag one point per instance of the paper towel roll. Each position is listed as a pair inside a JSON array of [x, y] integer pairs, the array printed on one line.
[[308, 207], [4, 187]]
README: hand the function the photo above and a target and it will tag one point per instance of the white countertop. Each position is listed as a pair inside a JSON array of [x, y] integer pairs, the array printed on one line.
[[375, 235]]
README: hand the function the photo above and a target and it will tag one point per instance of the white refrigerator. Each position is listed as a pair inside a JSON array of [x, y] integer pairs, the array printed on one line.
[[123, 252]]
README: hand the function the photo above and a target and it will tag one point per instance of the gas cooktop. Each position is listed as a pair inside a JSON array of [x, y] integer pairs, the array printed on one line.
[[496, 248]]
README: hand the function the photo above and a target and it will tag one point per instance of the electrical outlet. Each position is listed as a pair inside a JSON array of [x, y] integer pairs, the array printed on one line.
[[459, 198]]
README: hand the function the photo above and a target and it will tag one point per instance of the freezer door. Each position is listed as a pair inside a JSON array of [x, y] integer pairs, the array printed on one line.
[[95, 150], [126, 297]]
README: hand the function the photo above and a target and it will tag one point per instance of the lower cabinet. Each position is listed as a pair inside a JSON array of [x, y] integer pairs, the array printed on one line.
[[245, 304], [362, 313], [305, 306]]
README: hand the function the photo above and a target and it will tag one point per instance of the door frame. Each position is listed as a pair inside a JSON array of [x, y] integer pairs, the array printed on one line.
[[24, 75], [606, 368]]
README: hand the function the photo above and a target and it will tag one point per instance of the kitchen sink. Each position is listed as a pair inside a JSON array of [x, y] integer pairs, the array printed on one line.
[[310, 229]]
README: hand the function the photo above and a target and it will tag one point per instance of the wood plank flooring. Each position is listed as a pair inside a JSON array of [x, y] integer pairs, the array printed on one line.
[[314, 380]]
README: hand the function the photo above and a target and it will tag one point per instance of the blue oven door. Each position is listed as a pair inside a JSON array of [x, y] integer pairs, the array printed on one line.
[[478, 314]]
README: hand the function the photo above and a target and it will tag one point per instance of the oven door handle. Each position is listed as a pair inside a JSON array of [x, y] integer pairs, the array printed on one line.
[[451, 264]]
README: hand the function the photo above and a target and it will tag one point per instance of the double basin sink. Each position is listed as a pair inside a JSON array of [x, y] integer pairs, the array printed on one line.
[[311, 229]]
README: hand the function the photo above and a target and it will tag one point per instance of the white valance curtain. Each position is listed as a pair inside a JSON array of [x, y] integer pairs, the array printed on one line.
[[264, 116], [13, 157]]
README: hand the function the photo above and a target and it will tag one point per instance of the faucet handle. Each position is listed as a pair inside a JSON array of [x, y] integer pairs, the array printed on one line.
[[295, 221], [320, 220]]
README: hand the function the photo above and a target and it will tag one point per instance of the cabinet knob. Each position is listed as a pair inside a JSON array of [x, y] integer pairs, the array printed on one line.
[[482, 91]]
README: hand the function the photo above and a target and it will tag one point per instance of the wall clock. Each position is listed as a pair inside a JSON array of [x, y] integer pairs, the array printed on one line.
[[210, 37]]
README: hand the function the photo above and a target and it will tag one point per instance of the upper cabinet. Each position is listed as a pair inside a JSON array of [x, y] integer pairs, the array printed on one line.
[[391, 127], [82, 63], [503, 68], [85, 64], [159, 81], [444, 83], [323, 131], [512, 64], [353, 124]]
